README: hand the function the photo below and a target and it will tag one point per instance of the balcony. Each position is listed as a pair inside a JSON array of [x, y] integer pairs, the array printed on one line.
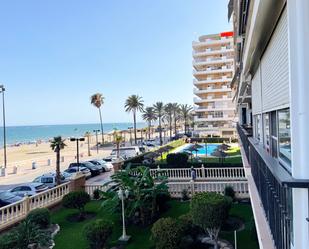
[[211, 99], [221, 79], [212, 61], [213, 118], [212, 90], [223, 69], [223, 50], [210, 42], [274, 186], [214, 108]]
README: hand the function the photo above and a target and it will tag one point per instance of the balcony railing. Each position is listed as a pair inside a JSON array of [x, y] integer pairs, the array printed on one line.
[[275, 186]]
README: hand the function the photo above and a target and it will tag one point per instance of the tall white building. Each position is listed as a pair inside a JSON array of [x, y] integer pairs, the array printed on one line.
[[213, 63], [272, 86]]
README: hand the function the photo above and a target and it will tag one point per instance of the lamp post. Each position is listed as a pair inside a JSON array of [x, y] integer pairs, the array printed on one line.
[[77, 139], [96, 139], [2, 90], [130, 131], [122, 196]]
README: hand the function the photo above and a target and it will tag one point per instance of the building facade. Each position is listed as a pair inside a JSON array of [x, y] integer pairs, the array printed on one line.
[[271, 85], [213, 63]]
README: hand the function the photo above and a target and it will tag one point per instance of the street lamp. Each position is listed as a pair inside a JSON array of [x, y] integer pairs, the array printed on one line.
[[122, 196], [130, 131], [2, 90], [77, 139], [96, 138]]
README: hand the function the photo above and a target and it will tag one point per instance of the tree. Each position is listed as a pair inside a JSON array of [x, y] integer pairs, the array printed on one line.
[[169, 109], [209, 210], [184, 114], [97, 233], [88, 135], [57, 144], [134, 103], [117, 140], [76, 200], [175, 116], [149, 115], [97, 100], [159, 111]]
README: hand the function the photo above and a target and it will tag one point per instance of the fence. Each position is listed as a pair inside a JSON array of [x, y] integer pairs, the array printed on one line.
[[176, 188], [11, 214], [214, 174]]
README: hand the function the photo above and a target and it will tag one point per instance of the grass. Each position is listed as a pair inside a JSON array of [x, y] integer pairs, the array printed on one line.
[[71, 234]]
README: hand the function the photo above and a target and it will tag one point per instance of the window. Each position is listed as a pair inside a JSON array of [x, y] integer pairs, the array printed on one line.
[[258, 127], [266, 132], [273, 134], [284, 136]]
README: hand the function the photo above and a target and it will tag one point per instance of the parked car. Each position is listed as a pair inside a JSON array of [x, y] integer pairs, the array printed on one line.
[[104, 166], [49, 179], [95, 170], [127, 152], [7, 198], [113, 158], [73, 171], [28, 189]]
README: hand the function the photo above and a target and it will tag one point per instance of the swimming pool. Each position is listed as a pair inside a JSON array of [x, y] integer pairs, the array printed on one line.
[[202, 151]]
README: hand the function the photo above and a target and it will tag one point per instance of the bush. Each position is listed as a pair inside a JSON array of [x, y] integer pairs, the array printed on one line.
[[76, 200], [229, 191], [209, 211], [97, 233], [7, 241], [162, 201], [178, 160], [166, 233], [184, 194], [96, 194], [40, 217]]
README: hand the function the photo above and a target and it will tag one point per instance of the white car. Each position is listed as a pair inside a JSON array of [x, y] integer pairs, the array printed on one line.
[[103, 165], [73, 171], [28, 189], [49, 179]]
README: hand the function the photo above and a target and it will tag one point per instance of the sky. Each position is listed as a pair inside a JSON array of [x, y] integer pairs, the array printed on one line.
[[54, 54]]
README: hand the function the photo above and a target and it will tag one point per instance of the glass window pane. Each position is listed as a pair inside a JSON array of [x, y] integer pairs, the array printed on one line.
[[284, 135]]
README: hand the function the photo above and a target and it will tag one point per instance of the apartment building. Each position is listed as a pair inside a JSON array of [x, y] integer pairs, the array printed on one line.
[[213, 63], [271, 92]]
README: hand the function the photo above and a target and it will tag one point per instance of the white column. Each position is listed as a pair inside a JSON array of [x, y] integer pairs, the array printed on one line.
[[298, 28]]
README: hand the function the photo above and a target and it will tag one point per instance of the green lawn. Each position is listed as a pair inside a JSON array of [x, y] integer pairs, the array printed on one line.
[[71, 234]]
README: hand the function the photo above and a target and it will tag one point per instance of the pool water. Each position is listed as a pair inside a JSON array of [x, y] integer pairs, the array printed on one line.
[[202, 151]]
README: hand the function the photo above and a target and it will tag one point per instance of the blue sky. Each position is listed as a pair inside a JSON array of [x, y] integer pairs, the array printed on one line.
[[54, 54]]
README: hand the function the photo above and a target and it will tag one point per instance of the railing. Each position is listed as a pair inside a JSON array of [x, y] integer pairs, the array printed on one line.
[[91, 188], [213, 174], [276, 197], [11, 214], [176, 188]]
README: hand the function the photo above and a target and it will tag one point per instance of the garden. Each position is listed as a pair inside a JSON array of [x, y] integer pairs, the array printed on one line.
[[153, 219]]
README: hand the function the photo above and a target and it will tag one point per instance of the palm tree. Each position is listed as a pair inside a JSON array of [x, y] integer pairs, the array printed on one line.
[[159, 110], [88, 135], [149, 115], [175, 116], [185, 113], [97, 100], [57, 144], [168, 108], [134, 103], [117, 139]]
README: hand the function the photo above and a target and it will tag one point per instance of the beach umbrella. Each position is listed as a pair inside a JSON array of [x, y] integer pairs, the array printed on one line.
[[223, 147], [220, 154], [151, 155], [191, 150]]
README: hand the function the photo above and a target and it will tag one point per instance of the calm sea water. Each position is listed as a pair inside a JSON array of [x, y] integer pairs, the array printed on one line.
[[26, 134]]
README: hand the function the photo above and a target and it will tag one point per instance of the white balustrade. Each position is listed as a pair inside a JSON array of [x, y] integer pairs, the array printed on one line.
[[91, 188], [11, 214]]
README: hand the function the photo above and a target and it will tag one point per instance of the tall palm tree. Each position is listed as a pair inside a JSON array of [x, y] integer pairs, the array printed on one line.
[[97, 100], [159, 110], [57, 144], [168, 108], [117, 140], [134, 103], [149, 115], [175, 116], [184, 114]]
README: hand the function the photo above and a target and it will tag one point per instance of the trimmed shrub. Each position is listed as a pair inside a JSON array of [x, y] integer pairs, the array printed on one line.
[[185, 195], [162, 201], [97, 233], [209, 211], [166, 233], [40, 217], [229, 191], [76, 200], [178, 160], [96, 194], [7, 241]]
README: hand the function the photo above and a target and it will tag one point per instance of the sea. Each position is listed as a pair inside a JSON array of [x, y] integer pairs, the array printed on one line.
[[30, 134]]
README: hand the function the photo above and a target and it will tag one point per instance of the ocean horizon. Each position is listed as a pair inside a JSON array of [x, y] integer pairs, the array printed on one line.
[[33, 133]]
